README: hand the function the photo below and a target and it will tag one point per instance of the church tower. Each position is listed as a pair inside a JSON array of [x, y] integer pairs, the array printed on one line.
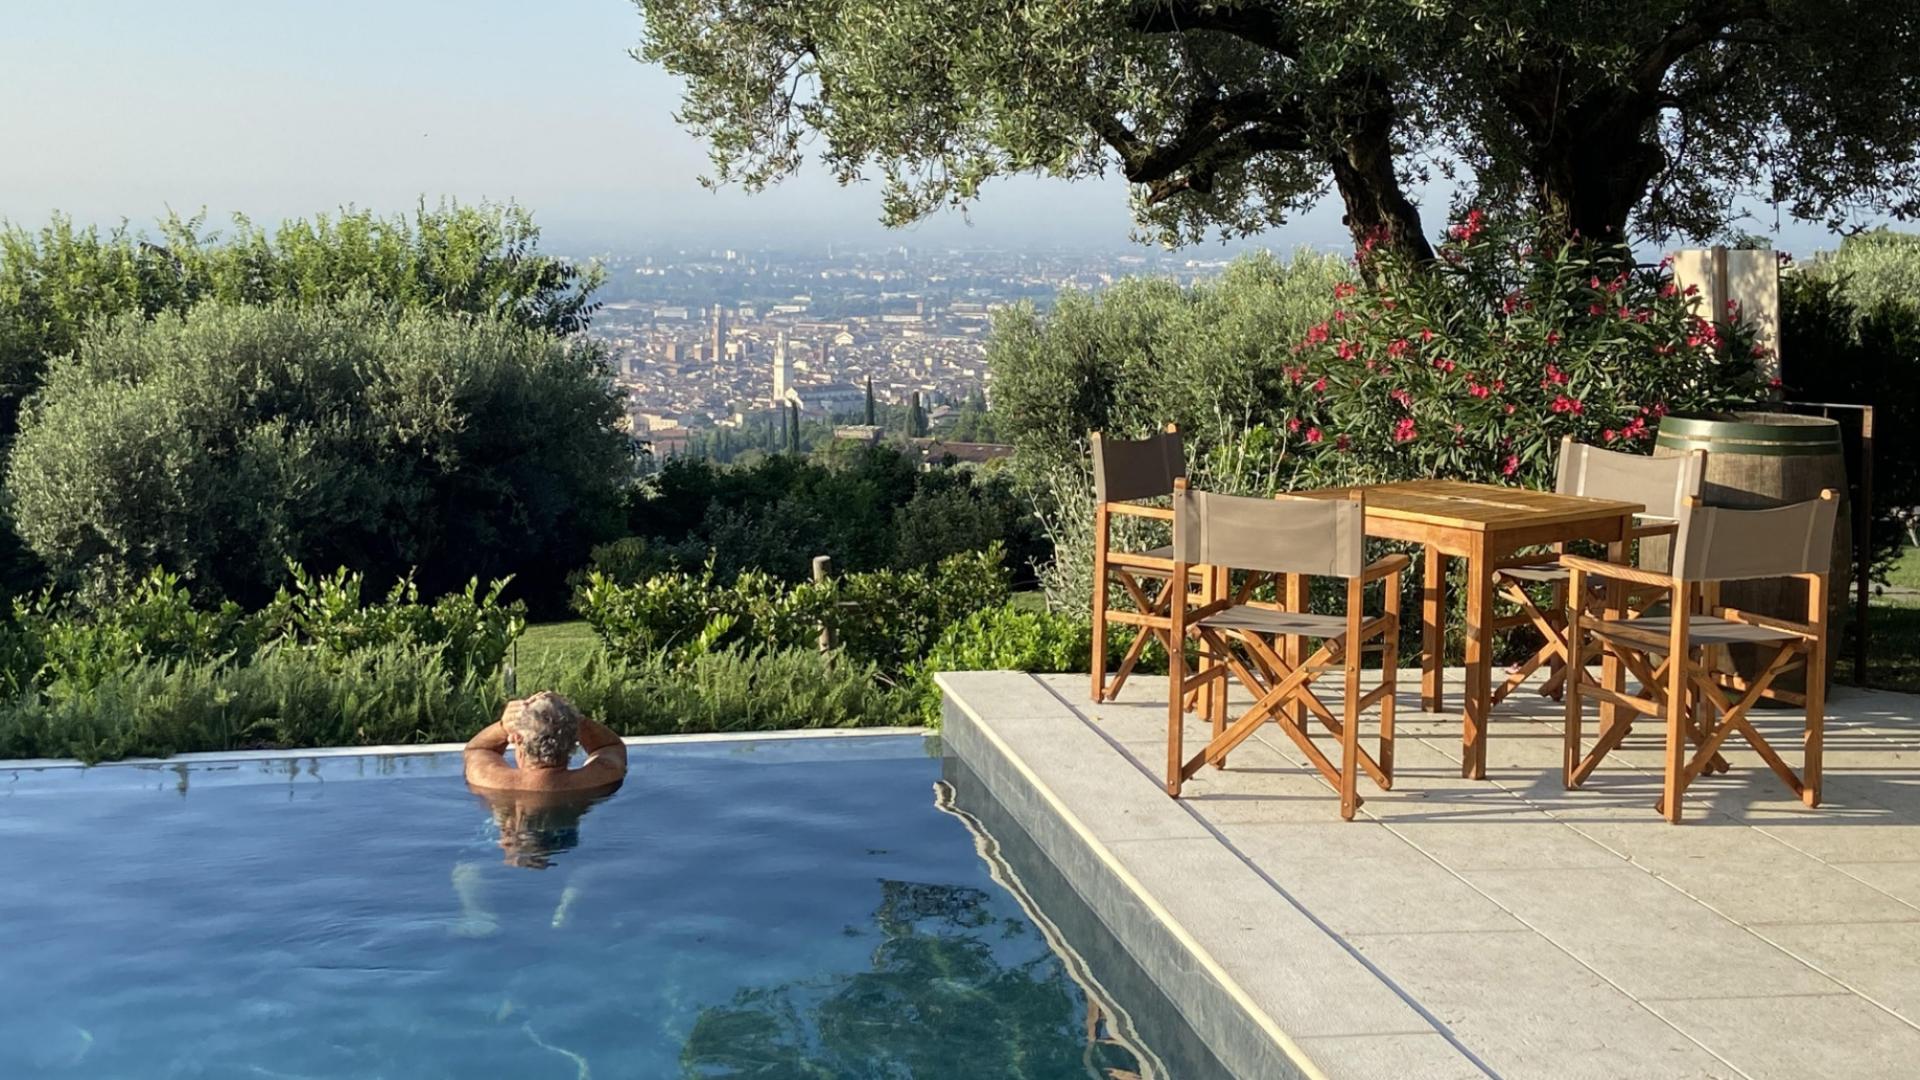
[[780, 382]]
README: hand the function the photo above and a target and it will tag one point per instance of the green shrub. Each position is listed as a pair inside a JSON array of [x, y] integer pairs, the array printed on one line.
[[1004, 638], [1834, 349], [736, 690], [283, 697], [471, 629], [887, 617], [225, 443]]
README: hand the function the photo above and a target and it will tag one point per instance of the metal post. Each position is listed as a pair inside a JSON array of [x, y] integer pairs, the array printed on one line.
[[822, 568]]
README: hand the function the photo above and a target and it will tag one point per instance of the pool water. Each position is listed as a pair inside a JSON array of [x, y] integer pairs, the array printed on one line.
[[798, 908]]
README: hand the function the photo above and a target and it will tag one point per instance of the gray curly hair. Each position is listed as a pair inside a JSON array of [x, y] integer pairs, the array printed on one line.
[[548, 726]]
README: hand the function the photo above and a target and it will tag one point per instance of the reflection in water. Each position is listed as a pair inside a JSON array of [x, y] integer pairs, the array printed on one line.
[[534, 828], [955, 990]]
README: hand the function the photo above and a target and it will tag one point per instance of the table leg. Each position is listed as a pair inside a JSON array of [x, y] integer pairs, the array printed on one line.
[[1479, 688], [1433, 627]]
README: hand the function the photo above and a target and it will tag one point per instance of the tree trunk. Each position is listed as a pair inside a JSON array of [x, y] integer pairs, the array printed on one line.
[[1595, 169], [1378, 210]]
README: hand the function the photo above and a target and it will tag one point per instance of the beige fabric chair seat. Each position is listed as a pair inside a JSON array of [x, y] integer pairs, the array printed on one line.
[[1701, 630], [1267, 621]]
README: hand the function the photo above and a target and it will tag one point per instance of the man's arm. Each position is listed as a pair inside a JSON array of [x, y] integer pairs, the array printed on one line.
[[604, 749], [486, 758]]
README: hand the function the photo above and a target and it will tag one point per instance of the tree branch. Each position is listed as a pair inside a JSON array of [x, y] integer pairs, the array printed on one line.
[[1256, 25]]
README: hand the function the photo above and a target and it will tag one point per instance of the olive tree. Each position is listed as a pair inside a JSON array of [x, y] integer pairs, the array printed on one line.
[[1608, 117], [224, 443]]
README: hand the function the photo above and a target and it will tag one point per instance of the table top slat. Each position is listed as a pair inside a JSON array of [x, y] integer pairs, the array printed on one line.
[[1460, 504]]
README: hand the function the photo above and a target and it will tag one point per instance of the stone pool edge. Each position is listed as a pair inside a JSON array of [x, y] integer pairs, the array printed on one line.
[[1242, 1035], [209, 756]]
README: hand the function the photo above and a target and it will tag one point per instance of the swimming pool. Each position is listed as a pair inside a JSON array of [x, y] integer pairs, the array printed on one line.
[[809, 907]]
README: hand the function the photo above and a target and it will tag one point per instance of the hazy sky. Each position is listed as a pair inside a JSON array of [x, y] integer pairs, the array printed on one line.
[[124, 108]]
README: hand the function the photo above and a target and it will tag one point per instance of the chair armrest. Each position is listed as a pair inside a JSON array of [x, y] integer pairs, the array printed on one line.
[[1158, 513], [1385, 565], [1602, 568], [1642, 530]]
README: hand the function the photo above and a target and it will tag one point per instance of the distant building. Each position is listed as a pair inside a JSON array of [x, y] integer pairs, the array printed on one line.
[[935, 452], [861, 433], [781, 373], [719, 342], [827, 398]]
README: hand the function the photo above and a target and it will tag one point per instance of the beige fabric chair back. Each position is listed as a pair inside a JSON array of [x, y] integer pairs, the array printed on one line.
[[1719, 544], [1124, 471], [1286, 535], [1661, 484]]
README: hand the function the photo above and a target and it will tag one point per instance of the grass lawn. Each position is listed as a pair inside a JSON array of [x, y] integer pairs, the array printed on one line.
[[1893, 637], [548, 649]]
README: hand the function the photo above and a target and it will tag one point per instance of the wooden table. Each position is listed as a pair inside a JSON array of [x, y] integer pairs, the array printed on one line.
[[1487, 525]]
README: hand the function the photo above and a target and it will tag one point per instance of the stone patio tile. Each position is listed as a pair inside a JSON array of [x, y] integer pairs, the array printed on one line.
[[1391, 1057], [1308, 982], [1848, 837], [1786, 888], [1644, 936], [1798, 1038], [1358, 877], [1896, 879], [1876, 960], [1083, 771], [1531, 1012]]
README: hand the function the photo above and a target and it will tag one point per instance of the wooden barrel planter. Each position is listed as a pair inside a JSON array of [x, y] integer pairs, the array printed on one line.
[[1758, 460]]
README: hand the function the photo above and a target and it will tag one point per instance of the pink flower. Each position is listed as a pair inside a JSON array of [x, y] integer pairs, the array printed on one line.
[[1564, 404], [1596, 309], [1511, 465], [1426, 334], [1609, 434], [1470, 228], [1347, 350], [1320, 385], [1553, 337], [1339, 315], [1293, 423], [1343, 289], [1399, 347], [1668, 289], [1554, 377], [1317, 334], [1478, 391], [1313, 434], [1403, 430], [1405, 399]]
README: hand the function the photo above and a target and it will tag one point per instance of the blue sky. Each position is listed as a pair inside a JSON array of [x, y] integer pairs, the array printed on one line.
[[113, 108]]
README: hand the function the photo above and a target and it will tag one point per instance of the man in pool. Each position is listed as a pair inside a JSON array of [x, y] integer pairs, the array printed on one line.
[[537, 802], [543, 730]]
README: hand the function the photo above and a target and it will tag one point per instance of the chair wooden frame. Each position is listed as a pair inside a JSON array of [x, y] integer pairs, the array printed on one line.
[[1684, 680], [1277, 669], [1550, 622], [1143, 576]]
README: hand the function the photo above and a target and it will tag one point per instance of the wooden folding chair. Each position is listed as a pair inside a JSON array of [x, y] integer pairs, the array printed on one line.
[[1661, 484], [1675, 654], [1262, 645], [1125, 475]]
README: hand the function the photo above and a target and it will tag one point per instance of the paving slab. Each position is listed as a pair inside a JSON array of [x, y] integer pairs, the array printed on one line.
[[1503, 927]]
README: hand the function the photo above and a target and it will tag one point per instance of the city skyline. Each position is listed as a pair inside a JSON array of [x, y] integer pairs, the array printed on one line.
[[123, 110]]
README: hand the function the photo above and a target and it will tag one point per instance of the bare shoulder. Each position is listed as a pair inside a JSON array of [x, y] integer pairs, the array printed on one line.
[[489, 769]]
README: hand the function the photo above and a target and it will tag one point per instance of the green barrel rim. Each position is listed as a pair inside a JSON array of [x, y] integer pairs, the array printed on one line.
[[1758, 433]]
